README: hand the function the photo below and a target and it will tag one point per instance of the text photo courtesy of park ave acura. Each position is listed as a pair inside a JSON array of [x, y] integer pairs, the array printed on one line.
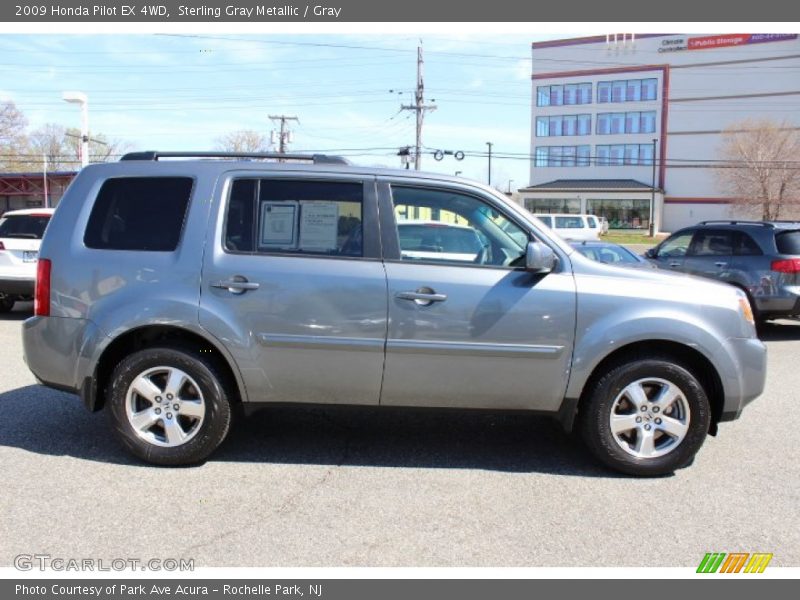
[[496, 299]]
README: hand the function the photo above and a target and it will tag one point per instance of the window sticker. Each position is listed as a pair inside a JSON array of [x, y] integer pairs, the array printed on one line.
[[319, 225], [278, 224]]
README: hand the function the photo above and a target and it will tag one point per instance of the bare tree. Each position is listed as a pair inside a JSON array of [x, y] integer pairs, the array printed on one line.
[[762, 175], [61, 147], [243, 140], [13, 142]]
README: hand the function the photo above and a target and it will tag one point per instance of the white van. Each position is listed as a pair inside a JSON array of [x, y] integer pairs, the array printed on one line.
[[572, 227]]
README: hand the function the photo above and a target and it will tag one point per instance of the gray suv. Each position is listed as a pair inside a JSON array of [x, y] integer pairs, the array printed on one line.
[[173, 291], [762, 258]]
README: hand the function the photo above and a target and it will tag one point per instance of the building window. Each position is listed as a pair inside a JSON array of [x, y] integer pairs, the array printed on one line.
[[542, 127], [543, 95], [583, 156], [562, 156], [624, 154], [649, 89], [541, 157], [584, 124], [630, 122], [604, 91], [561, 125], [627, 90], [621, 213], [561, 95], [648, 122], [553, 205]]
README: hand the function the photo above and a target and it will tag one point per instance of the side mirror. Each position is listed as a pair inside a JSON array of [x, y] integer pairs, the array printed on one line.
[[539, 258], [651, 253]]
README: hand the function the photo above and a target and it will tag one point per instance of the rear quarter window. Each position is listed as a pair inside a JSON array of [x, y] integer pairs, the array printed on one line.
[[30, 227], [139, 213], [788, 242]]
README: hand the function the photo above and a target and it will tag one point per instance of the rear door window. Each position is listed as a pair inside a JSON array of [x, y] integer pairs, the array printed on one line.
[[276, 216], [29, 227], [746, 246], [139, 213], [788, 242], [712, 242], [569, 223]]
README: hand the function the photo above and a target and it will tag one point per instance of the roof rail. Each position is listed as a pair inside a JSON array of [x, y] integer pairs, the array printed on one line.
[[317, 159], [735, 222]]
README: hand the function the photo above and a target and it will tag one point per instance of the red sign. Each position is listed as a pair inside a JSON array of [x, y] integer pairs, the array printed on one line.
[[719, 41]]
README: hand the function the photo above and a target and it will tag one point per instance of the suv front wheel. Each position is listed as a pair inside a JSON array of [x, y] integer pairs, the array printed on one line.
[[168, 405], [646, 417]]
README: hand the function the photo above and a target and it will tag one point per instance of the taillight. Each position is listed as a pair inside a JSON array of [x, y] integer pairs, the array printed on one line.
[[789, 265], [41, 299], [1, 246]]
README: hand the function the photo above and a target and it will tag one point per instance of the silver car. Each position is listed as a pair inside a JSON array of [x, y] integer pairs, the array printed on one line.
[[171, 292]]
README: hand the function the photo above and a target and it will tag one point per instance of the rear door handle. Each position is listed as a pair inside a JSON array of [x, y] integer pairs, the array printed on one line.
[[236, 285], [422, 296], [721, 264], [674, 264]]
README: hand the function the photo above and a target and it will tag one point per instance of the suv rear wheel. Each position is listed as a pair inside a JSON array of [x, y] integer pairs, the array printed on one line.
[[168, 405], [646, 417]]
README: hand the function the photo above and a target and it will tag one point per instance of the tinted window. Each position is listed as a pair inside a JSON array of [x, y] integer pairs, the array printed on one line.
[[788, 242], [675, 246], [746, 246], [712, 243], [569, 223], [298, 217], [24, 226], [139, 213]]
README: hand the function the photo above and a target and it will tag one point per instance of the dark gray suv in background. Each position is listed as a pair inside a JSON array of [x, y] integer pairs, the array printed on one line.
[[762, 258], [172, 292]]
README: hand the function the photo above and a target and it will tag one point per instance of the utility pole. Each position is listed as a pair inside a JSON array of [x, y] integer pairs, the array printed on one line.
[[284, 135], [419, 107], [490, 144]]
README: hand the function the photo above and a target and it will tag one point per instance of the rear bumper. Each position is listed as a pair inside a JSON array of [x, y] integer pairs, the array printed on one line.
[[17, 286], [51, 348]]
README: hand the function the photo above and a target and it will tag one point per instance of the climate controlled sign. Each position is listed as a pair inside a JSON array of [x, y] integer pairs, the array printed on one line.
[[721, 41]]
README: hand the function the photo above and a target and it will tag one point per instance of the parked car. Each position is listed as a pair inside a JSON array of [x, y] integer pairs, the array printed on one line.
[[612, 254], [434, 240], [173, 292], [572, 227], [21, 234], [759, 257]]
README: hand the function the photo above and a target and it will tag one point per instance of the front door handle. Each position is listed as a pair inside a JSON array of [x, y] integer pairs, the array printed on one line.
[[423, 296], [721, 264], [674, 264], [236, 285]]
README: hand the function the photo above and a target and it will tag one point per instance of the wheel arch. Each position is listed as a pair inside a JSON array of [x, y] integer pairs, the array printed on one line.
[[94, 388], [690, 358]]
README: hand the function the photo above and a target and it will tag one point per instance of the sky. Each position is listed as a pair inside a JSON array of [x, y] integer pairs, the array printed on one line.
[[184, 91]]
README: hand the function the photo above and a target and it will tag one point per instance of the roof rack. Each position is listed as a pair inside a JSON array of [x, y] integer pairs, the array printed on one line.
[[735, 222], [317, 159]]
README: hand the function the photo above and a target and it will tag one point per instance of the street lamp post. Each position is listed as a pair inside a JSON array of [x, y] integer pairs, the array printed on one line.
[[653, 194], [510, 181], [83, 100]]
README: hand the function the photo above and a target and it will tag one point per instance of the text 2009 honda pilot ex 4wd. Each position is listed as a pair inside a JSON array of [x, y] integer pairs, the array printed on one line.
[[170, 291]]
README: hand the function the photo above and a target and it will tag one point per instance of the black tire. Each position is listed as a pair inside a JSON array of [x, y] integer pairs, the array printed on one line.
[[209, 432], [6, 303], [596, 413]]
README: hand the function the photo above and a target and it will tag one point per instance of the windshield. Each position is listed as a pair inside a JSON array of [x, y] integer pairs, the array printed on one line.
[[608, 254], [24, 226]]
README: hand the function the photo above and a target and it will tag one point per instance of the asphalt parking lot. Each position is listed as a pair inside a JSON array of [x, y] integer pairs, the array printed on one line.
[[305, 487]]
